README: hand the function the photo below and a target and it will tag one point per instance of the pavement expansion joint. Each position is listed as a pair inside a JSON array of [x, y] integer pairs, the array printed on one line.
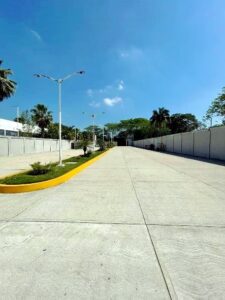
[[6, 221], [71, 222], [150, 237], [187, 225]]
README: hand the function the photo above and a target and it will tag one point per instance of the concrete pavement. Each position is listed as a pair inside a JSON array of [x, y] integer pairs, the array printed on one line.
[[20, 163], [136, 224]]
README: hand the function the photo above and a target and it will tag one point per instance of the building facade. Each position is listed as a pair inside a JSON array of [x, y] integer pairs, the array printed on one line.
[[10, 128]]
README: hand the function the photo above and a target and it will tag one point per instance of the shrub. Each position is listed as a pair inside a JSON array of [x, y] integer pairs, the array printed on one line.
[[84, 143], [161, 147], [88, 153], [39, 169], [152, 147], [101, 144], [110, 144]]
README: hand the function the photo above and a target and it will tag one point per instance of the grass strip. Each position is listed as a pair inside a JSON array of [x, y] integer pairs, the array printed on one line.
[[56, 171]]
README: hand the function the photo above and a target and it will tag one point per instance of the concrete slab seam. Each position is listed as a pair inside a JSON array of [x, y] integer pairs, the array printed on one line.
[[150, 237]]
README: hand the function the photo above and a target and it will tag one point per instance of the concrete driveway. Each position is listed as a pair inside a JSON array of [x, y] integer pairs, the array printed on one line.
[[135, 225], [20, 163]]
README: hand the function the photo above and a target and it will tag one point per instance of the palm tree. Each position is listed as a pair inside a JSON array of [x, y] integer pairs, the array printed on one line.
[[42, 117], [7, 86], [160, 117]]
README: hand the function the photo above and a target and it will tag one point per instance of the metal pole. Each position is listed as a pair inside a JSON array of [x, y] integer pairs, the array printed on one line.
[[93, 124], [17, 118], [17, 113], [59, 81], [60, 121], [103, 134]]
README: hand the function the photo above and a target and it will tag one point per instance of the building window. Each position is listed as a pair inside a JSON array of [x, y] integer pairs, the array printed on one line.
[[2, 132], [11, 133]]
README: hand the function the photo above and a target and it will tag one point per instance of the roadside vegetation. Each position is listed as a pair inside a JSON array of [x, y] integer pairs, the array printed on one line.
[[7, 86], [42, 172], [161, 121]]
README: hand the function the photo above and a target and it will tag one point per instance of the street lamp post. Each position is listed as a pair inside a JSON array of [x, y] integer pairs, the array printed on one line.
[[17, 118], [59, 82], [93, 116], [93, 127]]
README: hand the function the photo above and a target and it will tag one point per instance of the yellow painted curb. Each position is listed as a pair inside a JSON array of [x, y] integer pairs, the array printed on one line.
[[29, 187]]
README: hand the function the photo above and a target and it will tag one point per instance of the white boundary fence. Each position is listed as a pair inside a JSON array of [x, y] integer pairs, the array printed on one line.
[[208, 143], [23, 145]]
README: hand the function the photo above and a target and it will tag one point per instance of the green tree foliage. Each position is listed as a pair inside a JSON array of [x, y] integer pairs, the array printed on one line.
[[183, 123], [84, 143], [28, 124], [53, 131], [131, 125], [42, 117], [160, 123], [160, 118], [97, 130], [68, 132], [112, 127], [217, 107], [7, 86], [137, 128]]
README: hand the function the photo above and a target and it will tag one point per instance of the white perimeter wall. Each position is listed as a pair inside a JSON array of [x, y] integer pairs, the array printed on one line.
[[19, 145], [208, 143]]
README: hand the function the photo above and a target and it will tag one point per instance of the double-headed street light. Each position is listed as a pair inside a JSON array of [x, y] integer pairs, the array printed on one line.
[[59, 82], [93, 116]]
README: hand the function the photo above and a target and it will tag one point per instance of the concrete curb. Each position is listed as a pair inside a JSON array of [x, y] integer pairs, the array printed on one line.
[[29, 187]]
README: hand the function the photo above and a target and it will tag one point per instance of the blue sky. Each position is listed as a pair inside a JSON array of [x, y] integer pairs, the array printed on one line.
[[138, 55]]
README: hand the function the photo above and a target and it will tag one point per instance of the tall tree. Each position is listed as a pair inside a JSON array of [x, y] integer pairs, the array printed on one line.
[[97, 130], [68, 132], [42, 117], [138, 128], [28, 124], [183, 123], [217, 108], [7, 86], [160, 117], [113, 127]]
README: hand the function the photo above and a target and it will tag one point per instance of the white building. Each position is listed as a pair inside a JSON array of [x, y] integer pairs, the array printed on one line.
[[11, 128]]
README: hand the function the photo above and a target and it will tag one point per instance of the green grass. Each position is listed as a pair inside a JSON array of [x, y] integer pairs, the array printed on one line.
[[55, 171]]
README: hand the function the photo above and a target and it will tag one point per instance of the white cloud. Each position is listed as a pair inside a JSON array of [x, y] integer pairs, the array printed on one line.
[[106, 89], [132, 53], [106, 92], [95, 104], [36, 35], [112, 101], [121, 85], [90, 92]]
